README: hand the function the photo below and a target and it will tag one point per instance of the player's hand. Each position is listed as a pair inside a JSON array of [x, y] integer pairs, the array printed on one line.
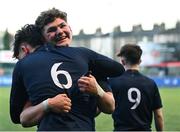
[[88, 84], [60, 103]]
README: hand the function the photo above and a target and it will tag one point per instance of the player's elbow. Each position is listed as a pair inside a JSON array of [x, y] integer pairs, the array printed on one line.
[[111, 104], [24, 121], [109, 111], [24, 124], [109, 107]]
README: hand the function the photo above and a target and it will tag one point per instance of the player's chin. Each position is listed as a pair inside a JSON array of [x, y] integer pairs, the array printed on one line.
[[64, 44]]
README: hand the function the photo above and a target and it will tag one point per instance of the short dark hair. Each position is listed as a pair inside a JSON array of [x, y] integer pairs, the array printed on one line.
[[131, 52], [29, 34], [49, 16]]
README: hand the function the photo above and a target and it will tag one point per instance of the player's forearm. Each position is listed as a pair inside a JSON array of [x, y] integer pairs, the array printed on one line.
[[106, 103], [159, 121], [106, 100], [31, 115], [159, 124]]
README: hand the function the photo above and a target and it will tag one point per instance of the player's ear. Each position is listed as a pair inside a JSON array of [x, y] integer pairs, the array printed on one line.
[[140, 61], [70, 28], [25, 49], [123, 61]]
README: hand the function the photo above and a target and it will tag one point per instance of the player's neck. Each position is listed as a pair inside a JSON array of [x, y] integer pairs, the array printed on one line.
[[132, 67], [34, 48]]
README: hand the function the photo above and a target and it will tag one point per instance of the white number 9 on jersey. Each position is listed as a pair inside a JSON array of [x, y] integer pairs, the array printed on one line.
[[54, 74], [134, 100]]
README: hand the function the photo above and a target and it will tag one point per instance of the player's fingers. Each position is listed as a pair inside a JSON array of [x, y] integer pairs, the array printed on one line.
[[81, 81], [67, 108], [84, 78], [91, 76], [59, 96], [66, 111], [67, 101], [82, 89], [64, 95], [82, 85], [84, 82]]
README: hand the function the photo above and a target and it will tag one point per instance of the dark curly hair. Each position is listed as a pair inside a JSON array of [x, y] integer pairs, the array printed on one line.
[[49, 16], [29, 34], [131, 52]]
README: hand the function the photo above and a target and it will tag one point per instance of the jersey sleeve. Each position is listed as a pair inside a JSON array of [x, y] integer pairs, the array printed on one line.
[[157, 103], [18, 95], [105, 66]]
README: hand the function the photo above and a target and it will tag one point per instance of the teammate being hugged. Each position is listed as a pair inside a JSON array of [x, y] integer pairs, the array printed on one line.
[[136, 96]]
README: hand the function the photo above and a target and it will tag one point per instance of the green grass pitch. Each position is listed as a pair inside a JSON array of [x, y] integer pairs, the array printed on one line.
[[171, 110]]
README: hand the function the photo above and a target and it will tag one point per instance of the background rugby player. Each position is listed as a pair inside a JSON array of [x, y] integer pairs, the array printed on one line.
[[136, 96]]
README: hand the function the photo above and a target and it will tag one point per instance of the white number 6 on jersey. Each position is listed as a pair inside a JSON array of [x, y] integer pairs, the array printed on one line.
[[137, 99], [54, 74]]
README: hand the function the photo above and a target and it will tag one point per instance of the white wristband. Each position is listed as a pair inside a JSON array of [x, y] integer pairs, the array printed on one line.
[[100, 91], [45, 105]]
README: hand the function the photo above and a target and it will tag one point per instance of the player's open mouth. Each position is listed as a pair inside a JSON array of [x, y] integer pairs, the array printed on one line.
[[60, 38]]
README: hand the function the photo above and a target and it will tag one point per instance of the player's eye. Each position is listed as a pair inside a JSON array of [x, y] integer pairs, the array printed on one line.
[[52, 29], [62, 25]]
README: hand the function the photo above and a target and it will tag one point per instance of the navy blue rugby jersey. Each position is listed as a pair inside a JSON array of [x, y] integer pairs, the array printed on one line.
[[136, 96], [46, 72]]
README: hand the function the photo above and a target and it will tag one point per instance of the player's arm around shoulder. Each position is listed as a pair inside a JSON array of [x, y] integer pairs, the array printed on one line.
[[159, 120], [106, 101]]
